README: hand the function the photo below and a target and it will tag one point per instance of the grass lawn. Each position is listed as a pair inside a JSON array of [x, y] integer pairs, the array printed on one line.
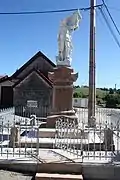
[[85, 91]]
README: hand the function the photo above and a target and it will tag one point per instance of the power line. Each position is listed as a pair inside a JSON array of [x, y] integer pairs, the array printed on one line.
[[114, 8], [109, 26], [115, 25], [99, 17], [50, 11]]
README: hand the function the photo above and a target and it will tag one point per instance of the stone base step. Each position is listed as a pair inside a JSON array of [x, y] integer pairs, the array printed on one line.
[[42, 176]]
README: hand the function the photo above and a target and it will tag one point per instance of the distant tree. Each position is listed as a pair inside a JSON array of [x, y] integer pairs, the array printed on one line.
[[111, 101], [104, 89], [97, 96], [118, 98], [79, 95], [111, 91], [98, 102], [84, 95], [85, 86], [118, 91], [76, 95], [77, 86]]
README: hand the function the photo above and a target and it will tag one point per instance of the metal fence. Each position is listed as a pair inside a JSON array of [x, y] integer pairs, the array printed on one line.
[[20, 136], [7, 114], [19, 132], [25, 111], [101, 142]]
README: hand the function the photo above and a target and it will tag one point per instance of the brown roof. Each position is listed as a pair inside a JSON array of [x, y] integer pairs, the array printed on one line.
[[3, 78], [39, 54], [39, 73], [44, 77]]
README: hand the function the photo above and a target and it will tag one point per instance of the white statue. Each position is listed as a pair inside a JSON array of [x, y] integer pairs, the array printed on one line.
[[67, 26]]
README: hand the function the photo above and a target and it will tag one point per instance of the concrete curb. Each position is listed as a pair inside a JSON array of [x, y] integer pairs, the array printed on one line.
[[88, 170], [101, 171], [33, 167]]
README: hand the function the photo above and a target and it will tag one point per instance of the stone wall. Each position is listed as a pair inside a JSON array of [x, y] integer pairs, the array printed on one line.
[[33, 88]]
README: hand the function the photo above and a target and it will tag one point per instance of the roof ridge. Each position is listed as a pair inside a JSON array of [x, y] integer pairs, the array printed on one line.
[[39, 53], [44, 76], [38, 72], [4, 78]]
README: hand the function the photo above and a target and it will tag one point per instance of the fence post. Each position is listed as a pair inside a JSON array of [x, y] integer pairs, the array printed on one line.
[[14, 137], [38, 142], [108, 139]]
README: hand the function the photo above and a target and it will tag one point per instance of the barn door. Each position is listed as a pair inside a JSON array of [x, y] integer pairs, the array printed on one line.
[[6, 96]]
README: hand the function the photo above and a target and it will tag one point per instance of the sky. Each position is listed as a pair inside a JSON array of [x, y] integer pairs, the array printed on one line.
[[22, 36]]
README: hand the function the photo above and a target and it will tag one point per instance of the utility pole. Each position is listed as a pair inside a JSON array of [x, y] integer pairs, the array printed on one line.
[[92, 88]]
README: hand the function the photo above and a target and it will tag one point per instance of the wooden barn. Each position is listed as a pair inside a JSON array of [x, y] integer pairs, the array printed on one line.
[[29, 87]]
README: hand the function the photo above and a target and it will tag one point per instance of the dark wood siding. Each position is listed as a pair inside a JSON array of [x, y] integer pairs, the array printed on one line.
[[6, 96], [33, 88]]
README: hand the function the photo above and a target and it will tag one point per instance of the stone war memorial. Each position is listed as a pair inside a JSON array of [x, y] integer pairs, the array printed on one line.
[[62, 143], [63, 74]]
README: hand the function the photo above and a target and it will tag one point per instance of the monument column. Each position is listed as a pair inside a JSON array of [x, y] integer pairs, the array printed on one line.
[[62, 79], [63, 75]]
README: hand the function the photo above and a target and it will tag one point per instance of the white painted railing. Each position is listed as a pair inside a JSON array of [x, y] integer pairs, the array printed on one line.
[[101, 142]]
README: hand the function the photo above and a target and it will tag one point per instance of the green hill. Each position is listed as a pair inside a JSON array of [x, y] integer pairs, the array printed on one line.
[[105, 97], [85, 91]]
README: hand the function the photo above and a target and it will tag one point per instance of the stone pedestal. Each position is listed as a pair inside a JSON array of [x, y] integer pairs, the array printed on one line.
[[62, 78]]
